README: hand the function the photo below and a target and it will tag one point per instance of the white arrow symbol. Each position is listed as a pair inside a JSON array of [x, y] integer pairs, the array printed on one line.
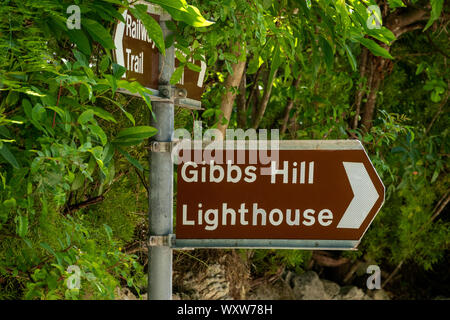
[[118, 41], [365, 196]]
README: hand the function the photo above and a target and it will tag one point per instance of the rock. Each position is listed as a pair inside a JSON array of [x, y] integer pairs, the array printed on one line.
[[331, 288], [378, 294], [268, 291], [352, 293], [308, 286], [124, 294], [211, 285]]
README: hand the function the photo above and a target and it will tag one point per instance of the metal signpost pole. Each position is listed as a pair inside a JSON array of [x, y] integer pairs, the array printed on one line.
[[161, 185]]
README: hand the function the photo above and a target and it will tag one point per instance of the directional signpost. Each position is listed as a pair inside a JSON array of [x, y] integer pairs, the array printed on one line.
[[139, 55], [305, 195], [136, 51], [315, 195], [143, 63]]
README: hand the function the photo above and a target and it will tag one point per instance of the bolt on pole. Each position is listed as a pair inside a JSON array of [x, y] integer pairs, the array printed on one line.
[[161, 186]]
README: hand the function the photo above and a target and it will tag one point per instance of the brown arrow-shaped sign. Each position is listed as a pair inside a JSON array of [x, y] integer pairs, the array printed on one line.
[[307, 194], [138, 54]]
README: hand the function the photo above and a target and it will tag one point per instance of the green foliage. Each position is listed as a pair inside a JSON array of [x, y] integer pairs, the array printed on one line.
[[320, 41], [410, 151], [63, 137], [269, 262], [68, 136]]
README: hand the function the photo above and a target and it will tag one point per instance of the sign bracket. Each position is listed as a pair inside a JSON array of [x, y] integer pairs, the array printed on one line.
[[157, 97], [160, 146], [162, 241]]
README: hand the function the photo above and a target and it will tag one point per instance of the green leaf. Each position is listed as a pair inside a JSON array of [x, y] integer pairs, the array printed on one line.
[[78, 181], [99, 33], [38, 113], [28, 243], [10, 203], [86, 116], [27, 108], [436, 9], [276, 62], [180, 11], [99, 133], [8, 156], [395, 4], [84, 92], [108, 231], [52, 252], [208, 113], [435, 175], [21, 225], [375, 48], [228, 66], [327, 52], [176, 76], [104, 64], [81, 58], [118, 70], [48, 248], [138, 132], [112, 82], [194, 67], [153, 28], [108, 153], [350, 56], [127, 114], [12, 98], [59, 111], [180, 56], [383, 34], [174, 4], [230, 57], [102, 113], [130, 159]]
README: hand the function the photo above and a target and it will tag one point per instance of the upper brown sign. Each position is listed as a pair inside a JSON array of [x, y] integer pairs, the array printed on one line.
[[309, 194], [139, 55]]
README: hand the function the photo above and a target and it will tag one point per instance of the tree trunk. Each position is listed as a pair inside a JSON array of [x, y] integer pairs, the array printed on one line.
[[361, 89], [265, 100], [399, 22], [241, 103], [233, 80], [377, 77], [254, 89], [288, 109]]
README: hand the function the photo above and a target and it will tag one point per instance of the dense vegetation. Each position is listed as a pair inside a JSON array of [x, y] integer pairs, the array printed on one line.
[[313, 69]]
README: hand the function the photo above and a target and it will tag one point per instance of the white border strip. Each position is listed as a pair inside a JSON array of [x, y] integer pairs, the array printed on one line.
[[266, 244], [279, 145]]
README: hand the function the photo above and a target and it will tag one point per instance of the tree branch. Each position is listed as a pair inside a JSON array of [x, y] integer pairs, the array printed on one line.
[[289, 106], [83, 204], [265, 100], [361, 91], [141, 179], [441, 205], [401, 19], [241, 102], [435, 47], [233, 80], [254, 85]]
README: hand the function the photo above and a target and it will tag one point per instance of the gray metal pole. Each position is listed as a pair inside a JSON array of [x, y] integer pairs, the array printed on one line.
[[161, 188]]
